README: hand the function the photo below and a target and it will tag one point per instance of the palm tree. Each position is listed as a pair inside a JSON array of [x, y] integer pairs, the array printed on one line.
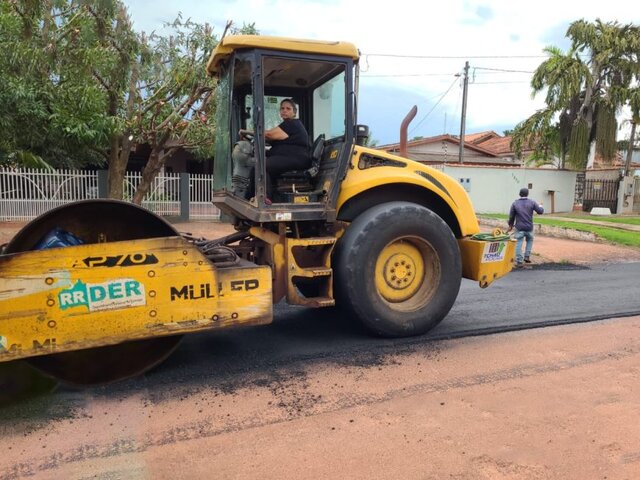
[[585, 89]]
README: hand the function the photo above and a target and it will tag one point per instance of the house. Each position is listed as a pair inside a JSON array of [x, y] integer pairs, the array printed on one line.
[[617, 165], [484, 148], [491, 173]]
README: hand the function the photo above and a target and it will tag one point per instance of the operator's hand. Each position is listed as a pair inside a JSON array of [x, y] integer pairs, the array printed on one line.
[[245, 133], [509, 229]]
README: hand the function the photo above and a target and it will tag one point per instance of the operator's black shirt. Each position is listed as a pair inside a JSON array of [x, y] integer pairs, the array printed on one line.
[[296, 145]]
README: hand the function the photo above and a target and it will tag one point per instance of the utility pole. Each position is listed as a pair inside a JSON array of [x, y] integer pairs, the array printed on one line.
[[465, 84]]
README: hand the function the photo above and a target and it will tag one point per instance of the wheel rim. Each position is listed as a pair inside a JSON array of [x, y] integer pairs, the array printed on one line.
[[407, 273]]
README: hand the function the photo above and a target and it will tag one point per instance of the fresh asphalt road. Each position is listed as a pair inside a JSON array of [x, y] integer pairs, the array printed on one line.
[[546, 294], [299, 336]]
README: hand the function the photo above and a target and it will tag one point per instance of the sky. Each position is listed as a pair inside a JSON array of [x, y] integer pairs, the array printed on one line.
[[414, 53]]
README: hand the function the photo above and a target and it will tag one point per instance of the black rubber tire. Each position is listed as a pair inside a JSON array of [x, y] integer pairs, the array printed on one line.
[[357, 265], [94, 221]]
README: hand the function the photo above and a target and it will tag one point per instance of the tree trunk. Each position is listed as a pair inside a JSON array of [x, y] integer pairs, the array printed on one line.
[[121, 143], [118, 159], [155, 163]]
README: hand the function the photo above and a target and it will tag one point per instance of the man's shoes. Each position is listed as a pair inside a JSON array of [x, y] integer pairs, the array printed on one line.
[[527, 260], [518, 265]]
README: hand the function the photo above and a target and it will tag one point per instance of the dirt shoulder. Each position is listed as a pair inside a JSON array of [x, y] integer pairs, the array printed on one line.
[[553, 403], [559, 250]]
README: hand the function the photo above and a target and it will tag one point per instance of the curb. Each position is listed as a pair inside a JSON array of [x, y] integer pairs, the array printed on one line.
[[547, 230]]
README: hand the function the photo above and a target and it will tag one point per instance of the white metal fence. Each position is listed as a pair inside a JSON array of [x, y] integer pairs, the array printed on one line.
[[201, 189], [27, 193], [163, 197]]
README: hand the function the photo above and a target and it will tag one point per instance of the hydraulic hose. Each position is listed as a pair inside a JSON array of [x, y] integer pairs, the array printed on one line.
[[496, 235]]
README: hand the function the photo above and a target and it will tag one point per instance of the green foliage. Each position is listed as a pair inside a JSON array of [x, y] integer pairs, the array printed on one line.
[[605, 134], [599, 73], [51, 104], [579, 145], [80, 86], [174, 104], [20, 158], [561, 74], [527, 133]]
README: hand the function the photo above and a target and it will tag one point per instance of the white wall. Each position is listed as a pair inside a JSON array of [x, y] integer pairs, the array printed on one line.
[[493, 189]]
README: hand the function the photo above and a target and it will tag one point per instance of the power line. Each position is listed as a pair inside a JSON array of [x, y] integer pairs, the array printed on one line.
[[502, 70], [451, 56], [495, 83], [476, 70], [436, 104], [411, 75], [492, 71]]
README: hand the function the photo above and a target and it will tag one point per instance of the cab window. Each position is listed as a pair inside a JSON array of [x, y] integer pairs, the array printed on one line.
[[329, 108]]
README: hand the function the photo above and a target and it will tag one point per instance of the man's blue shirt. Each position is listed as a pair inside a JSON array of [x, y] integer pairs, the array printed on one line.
[[521, 213]]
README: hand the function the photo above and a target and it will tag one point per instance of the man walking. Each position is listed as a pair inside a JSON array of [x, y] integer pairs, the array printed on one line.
[[521, 215]]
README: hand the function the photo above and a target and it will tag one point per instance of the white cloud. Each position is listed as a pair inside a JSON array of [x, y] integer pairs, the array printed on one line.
[[458, 28]]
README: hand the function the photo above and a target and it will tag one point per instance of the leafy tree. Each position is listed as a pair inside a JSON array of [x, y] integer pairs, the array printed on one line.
[[551, 151], [50, 113], [585, 89], [371, 142], [171, 103], [90, 88]]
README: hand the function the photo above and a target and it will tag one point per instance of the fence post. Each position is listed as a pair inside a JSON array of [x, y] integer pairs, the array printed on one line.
[[103, 184], [185, 196]]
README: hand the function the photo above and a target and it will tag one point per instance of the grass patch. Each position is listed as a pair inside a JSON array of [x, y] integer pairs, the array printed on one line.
[[613, 235], [621, 220]]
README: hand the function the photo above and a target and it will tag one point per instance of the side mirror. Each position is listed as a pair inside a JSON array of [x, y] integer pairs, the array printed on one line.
[[362, 134]]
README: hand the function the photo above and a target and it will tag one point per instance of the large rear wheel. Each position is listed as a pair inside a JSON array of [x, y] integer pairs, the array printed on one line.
[[398, 269], [99, 221]]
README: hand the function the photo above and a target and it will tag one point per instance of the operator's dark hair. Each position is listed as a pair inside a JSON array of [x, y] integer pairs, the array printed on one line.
[[293, 104], [524, 192]]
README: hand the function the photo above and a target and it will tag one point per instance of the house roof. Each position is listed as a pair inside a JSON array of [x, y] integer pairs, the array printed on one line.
[[394, 147], [618, 162], [477, 138], [498, 145]]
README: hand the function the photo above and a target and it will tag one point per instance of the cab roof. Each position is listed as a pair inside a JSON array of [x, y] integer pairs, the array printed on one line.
[[232, 43]]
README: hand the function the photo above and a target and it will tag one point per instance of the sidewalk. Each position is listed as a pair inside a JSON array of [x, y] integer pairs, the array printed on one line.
[[620, 226]]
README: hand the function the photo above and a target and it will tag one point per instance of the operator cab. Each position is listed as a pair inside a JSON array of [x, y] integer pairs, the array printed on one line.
[[254, 75]]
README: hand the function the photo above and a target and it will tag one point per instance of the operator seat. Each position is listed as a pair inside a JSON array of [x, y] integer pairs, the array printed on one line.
[[295, 181]]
